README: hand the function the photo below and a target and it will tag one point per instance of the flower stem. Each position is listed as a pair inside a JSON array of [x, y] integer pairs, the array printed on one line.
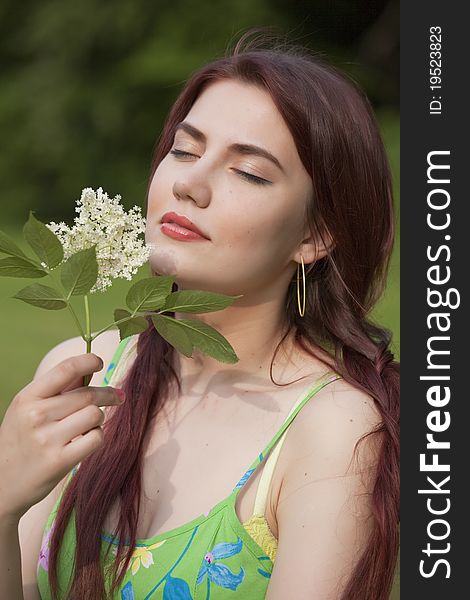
[[87, 324], [69, 306], [123, 320], [88, 337]]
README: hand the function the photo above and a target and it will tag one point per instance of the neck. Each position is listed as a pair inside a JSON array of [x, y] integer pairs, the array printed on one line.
[[253, 332]]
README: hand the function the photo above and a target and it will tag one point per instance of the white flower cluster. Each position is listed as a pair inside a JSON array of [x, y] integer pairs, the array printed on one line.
[[103, 221]]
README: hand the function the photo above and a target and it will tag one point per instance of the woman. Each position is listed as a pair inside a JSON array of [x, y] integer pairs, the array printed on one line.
[[302, 227]]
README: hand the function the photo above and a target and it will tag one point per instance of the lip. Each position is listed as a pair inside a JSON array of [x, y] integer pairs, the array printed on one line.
[[180, 233], [186, 228]]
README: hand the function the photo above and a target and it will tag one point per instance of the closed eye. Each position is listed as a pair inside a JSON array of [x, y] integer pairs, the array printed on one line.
[[247, 176]]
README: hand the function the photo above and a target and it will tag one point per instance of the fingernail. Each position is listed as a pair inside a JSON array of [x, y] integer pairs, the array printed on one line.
[[121, 394]]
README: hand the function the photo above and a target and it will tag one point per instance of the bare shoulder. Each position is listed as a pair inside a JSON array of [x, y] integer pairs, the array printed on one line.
[[325, 499], [104, 346], [330, 424]]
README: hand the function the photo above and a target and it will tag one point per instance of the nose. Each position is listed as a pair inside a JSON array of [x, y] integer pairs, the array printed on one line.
[[189, 189]]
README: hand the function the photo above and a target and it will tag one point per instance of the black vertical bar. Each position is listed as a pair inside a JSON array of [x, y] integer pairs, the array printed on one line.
[[435, 427]]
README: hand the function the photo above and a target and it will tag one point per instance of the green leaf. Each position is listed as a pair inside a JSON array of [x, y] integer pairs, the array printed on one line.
[[121, 313], [14, 266], [131, 327], [149, 293], [209, 340], [42, 296], [80, 272], [193, 332], [8, 246], [43, 241], [173, 333], [195, 301]]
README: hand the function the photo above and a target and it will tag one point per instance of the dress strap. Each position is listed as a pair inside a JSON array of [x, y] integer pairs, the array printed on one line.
[[268, 470], [115, 370], [118, 362]]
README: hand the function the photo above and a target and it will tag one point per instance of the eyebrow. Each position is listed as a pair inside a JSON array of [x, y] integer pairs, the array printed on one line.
[[245, 149]]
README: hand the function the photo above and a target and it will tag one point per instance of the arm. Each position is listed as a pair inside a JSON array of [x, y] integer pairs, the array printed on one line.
[[20, 541], [10, 560], [324, 506]]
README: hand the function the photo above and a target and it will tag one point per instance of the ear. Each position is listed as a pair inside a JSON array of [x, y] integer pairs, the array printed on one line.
[[312, 249]]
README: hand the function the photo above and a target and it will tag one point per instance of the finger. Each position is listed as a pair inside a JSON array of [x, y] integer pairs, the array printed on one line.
[[83, 445], [63, 405], [75, 425], [54, 381]]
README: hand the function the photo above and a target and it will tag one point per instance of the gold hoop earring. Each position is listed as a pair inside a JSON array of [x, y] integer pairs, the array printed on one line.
[[301, 311]]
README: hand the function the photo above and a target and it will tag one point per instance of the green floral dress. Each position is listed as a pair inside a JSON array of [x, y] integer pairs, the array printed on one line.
[[212, 557]]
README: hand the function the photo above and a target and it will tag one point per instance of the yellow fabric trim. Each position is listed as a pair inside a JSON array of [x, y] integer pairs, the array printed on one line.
[[258, 528], [268, 469], [257, 525]]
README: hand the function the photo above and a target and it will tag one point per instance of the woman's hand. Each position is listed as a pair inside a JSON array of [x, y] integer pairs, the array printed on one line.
[[51, 425]]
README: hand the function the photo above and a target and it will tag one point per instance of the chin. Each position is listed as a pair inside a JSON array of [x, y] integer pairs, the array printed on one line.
[[163, 261]]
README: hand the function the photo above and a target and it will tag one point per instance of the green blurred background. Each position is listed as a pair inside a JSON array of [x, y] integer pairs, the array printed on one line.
[[84, 90]]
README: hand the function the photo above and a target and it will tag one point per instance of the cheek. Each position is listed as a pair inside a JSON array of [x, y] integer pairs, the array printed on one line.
[[245, 228], [257, 224], [252, 242], [160, 189]]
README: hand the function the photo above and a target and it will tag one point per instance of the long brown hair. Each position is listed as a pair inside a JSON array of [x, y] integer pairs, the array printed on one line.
[[338, 141]]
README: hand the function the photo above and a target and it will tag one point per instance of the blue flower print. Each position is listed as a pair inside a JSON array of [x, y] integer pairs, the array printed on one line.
[[108, 373], [176, 589], [245, 478], [219, 573], [127, 592]]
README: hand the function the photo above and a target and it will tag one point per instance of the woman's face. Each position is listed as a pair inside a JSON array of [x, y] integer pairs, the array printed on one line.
[[255, 226]]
